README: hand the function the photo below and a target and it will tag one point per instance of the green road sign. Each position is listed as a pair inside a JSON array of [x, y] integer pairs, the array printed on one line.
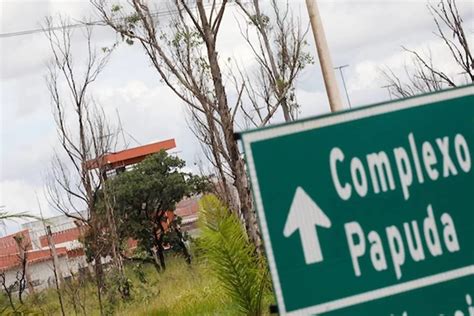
[[370, 211]]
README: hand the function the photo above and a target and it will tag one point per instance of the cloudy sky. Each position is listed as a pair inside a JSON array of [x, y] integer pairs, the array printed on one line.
[[364, 34]]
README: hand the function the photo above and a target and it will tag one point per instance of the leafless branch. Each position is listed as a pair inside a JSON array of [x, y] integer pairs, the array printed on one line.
[[423, 75]]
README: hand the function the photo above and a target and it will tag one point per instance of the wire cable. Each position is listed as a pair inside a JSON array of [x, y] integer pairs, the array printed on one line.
[[79, 25]]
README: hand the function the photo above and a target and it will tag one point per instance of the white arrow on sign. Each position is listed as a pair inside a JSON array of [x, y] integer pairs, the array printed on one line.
[[305, 215]]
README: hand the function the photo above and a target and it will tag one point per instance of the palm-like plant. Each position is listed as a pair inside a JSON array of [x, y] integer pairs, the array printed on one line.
[[4, 215], [242, 273]]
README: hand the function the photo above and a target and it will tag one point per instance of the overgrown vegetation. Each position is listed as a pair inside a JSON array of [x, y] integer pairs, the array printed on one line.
[[181, 290], [233, 258], [184, 51], [227, 277], [231, 276]]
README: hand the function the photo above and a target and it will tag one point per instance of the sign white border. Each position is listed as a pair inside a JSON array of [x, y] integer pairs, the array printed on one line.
[[277, 131]]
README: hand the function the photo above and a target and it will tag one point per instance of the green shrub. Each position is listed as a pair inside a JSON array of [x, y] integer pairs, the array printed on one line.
[[242, 273]]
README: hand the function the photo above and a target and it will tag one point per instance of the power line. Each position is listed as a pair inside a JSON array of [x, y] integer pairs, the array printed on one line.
[[84, 24], [70, 26]]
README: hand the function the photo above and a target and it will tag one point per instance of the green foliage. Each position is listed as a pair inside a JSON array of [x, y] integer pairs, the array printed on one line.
[[182, 290], [232, 257], [156, 181], [132, 19], [4, 215], [4, 304], [143, 195], [184, 38], [261, 20], [116, 8], [116, 283], [305, 58], [139, 273], [42, 303]]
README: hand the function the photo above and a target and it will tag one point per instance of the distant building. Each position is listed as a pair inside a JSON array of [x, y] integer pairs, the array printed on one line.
[[60, 223], [9, 246], [67, 232], [39, 260], [39, 263]]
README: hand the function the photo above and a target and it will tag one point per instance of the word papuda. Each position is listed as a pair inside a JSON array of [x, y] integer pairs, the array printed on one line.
[[444, 157], [409, 241]]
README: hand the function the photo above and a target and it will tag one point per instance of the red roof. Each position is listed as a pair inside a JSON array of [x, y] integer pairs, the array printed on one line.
[[13, 260], [8, 244], [132, 155]]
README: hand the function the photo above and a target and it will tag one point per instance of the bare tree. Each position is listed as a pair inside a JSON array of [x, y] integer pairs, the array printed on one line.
[[58, 277], [279, 50], [184, 53], [22, 276], [277, 42], [423, 75], [84, 134], [22, 279], [8, 289]]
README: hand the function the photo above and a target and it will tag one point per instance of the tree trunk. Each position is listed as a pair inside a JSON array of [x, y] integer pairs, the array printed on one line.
[[246, 206], [236, 162], [182, 244], [98, 269], [227, 198], [158, 242], [58, 276], [162, 258], [161, 252], [156, 262], [124, 287], [99, 277]]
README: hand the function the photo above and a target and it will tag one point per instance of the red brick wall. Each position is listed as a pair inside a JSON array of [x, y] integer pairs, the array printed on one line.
[[63, 236], [8, 245]]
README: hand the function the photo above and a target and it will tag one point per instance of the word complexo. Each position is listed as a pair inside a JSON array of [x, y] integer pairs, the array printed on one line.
[[444, 157]]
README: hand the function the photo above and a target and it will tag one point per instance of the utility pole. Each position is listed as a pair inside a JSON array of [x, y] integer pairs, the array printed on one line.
[[344, 83], [324, 57]]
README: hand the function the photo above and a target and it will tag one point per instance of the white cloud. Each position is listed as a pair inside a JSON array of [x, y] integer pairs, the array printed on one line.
[[312, 103], [20, 196], [23, 196], [150, 112], [366, 74]]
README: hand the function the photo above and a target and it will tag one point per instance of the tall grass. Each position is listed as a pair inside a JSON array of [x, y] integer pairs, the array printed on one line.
[[182, 290]]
